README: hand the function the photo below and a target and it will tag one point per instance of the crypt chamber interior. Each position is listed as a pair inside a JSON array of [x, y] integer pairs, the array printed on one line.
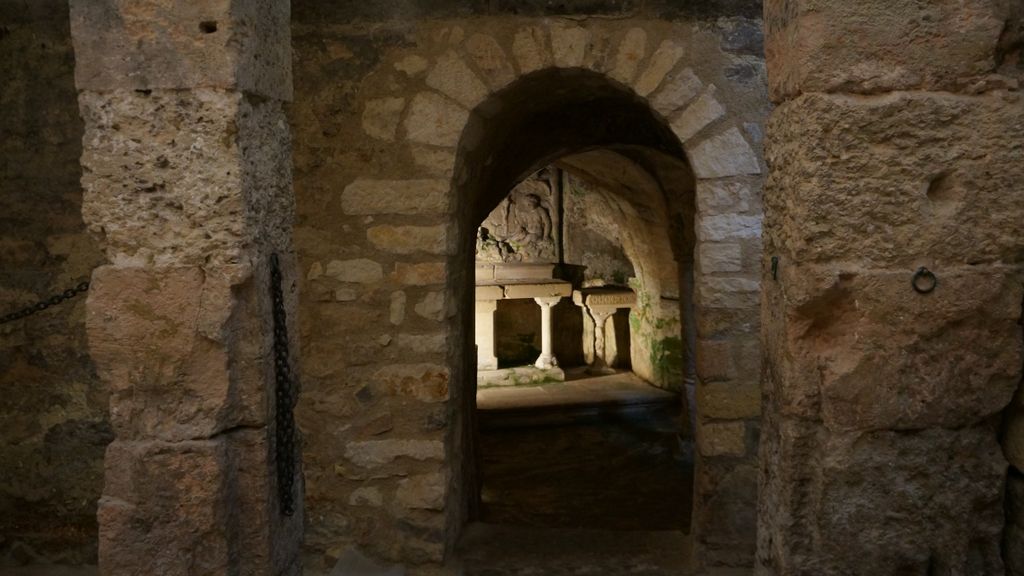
[[511, 287]]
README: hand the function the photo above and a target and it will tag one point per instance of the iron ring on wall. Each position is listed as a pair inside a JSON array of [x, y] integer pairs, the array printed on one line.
[[924, 281]]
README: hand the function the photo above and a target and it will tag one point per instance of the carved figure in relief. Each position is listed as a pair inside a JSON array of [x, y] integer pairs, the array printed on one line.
[[520, 229]]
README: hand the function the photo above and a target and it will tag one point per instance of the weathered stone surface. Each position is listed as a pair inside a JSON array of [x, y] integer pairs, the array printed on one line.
[[491, 60], [452, 77], [409, 197], [676, 91], [726, 257], [728, 400], [359, 271], [717, 292], [897, 180], [366, 496], [715, 197], [662, 62], [424, 274], [722, 439], [423, 343], [426, 382], [568, 44], [703, 111], [371, 453], [396, 312], [879, 500], [244, 46], [412, 65], [870, 373], [422, 492], [530, 49], [727, 227], [725, 154], [382, 116], [435, 120], [434, 161], [631, 52], [432, 306], [805, 42], [408, 239]]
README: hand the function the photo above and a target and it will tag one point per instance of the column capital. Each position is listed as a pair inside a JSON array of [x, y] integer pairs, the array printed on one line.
[[548, 301]]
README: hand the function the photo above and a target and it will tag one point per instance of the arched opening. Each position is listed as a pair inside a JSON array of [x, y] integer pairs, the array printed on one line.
[[594, 138]]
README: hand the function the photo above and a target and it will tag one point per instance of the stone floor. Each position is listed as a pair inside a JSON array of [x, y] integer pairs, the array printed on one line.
[[621, 389]]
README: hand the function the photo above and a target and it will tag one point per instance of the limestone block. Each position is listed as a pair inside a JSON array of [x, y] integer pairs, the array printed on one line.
[[203, 163], [408, 239], [422, 491], [382, 116], [898, 41], [426, 344], [423, 274], [897, 180], [149, 45], [662, 62], [434, 161], [715, 197], [373, 453], [359, 271], [410, 197], [630, 53], [168, 344], [702, 112], [166, 509], [722, 292], [425, 382], [452, 77], [714, 360], [491, 60], [678, 89], [529, 46], [412, 65], [568, 44], [432, 306], [719, 257], [722, 439], [366, 496], [728, 400], [435, 120], [725, 154], [726, 227], [396, 312], [863, 350], [914, 499]]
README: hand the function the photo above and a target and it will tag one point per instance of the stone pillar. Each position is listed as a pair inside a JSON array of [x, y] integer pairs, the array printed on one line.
[[546, 359], [485, 358], [880, 445], [600, 314], [187, 178]]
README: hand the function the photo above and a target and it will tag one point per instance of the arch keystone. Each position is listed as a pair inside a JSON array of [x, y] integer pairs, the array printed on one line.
[[453, 78]]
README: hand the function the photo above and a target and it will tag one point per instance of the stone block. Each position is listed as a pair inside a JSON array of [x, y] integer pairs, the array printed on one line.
[[722, 155], [865, 351], [396, 311], [678, 89], [722, 439], [630, 54], [718, 197], [166, 509], [423, 274], [151, 45], [358, 271], [568, 44], [182, 350], [808, 51], [438, 162], [426, 344], [698, 115], [425, 382], [491, 60], [719, 257], [898, 180], [382, 116], [422, 492], [407, 197], [726, 227], [728, 400], [714, 360], [432, 306], [723, 292], [373, 453], [433, 119], [408, 239], [529, 46], [453, 78], [662, 62]]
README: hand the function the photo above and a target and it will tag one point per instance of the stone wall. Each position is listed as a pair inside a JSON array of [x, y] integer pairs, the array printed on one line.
[[399, 128], [53, 419], [881, 447]]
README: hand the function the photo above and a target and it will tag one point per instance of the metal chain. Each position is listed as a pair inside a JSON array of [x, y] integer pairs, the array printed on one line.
[[45, 303], [285, 395]]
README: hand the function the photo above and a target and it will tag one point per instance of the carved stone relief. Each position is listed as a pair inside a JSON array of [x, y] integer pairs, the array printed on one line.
[[524, 227]]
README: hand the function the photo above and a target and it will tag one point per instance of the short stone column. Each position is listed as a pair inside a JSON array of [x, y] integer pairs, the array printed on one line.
[[600, 314], [546, 359], [485, 358]]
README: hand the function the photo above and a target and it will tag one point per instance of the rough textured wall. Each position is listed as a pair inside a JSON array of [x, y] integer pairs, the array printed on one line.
[[589, 244], [381, 103], [53, 419], [881, 444]]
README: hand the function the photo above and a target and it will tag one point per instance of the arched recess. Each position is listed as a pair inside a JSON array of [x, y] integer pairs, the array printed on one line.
[[592, 122]]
